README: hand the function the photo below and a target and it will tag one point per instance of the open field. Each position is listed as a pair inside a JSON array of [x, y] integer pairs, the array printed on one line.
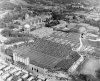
[[90, 66]]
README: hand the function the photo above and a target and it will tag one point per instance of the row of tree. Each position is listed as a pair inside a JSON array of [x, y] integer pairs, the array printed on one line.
[[10, 33]]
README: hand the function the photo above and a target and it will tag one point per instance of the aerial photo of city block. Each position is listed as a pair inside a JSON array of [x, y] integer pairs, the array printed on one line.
[[49, 40]]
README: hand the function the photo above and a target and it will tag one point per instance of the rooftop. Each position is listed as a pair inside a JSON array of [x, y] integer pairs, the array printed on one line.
[[47, 47], [89, 27], [47, 54], [42, 32], [67, 63], [64, 38]]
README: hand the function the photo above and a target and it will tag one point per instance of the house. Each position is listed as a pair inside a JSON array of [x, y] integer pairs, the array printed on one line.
[[89, 28], [32, 22], [35, 22], [6, 55]]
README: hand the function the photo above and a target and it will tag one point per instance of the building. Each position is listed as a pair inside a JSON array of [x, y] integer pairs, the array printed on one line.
[[42, 32], [65, 38], [43, 55], [32, 22], [6, 58], [6, 55], [35, 22], [89, 28]]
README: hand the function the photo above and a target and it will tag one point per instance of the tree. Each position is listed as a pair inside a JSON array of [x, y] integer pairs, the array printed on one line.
[[83, 77], [6, 32], [15, 78], [7, 18], [56, 15], [8, 51], [2, 24], [12, 26], [52, 23], [98, 73]]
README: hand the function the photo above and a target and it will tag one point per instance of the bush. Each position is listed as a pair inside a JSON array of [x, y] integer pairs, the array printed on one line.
[[11, 33], [98, 73], [7, 5], [83, 77], [6, 32], [2, 24], [8, 51], [93, 23], [16, 40], [53, 23], [57, 15], [12, 26], [10, 16]]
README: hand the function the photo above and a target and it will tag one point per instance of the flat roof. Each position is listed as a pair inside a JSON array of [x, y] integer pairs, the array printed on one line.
[[42, 32], [64, 38], [68, 62], [45, 46], [44, 53], [38, 58], [47, 61]]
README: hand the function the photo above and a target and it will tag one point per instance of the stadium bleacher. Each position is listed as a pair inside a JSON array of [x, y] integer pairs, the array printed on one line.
[[47, 54]]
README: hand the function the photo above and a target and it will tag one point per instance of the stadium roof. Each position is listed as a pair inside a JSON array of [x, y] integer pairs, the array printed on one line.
[[46, 54], [68, 62]]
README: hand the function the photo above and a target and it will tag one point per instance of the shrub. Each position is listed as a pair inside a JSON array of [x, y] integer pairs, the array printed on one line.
[[11, 33], [16, 40], [6, 32], [98, 73], [53, 23]]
